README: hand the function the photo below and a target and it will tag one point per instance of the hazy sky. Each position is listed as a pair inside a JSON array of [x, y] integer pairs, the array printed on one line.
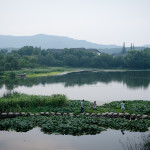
[[98, 21]]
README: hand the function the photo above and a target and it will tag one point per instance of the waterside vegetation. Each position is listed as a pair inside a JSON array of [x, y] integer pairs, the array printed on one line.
[[33, 57], [61, 123], [35, 72], [31, 103], [17, 102], [42, 112], [77, 125]]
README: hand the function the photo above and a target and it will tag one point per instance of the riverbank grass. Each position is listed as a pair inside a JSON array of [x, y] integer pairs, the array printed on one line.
[[43, 74], [37, 72]]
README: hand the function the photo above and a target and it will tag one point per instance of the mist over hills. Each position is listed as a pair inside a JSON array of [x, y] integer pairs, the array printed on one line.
[[48, 41], [118, 50]]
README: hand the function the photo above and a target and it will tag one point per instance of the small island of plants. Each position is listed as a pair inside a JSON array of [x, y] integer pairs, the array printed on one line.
[[78, 124]]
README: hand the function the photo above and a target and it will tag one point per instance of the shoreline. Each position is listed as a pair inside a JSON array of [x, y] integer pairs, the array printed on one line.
[[52, 71]]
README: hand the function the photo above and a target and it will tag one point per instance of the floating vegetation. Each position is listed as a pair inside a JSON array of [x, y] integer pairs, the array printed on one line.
[[137, 107], [37, 112], [79, 125]]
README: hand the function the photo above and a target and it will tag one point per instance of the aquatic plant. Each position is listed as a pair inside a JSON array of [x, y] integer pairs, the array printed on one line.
[[78, 125], [136, 107]]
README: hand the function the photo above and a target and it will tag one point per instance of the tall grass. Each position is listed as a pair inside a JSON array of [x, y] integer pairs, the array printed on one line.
[[17, 101]]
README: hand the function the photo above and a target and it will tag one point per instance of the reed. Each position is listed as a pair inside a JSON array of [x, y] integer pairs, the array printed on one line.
[[18, 101]]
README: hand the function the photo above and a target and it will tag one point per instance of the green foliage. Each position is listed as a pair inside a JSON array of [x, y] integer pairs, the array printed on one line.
[[12, 75], [137, 59], [76, 112], [58, 100], [30, 57], [89, 111], [72, 125], [19, 102], [58, 103], [78, 125], [136, 107]]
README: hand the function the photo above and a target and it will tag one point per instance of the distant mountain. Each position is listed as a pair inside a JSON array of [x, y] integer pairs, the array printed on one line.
[[47, 41]]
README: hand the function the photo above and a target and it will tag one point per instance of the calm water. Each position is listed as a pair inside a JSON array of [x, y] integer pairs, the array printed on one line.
[[100, 86], [36, 140]]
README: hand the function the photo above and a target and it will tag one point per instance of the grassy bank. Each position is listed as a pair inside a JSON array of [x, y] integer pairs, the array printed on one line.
[[43, 74], [48, 71], [36, 72]]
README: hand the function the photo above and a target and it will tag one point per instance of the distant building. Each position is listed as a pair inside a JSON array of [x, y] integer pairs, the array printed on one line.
[[61, 50], [94, 51]]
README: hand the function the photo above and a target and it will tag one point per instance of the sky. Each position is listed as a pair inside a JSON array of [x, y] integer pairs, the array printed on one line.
[[97, 21]]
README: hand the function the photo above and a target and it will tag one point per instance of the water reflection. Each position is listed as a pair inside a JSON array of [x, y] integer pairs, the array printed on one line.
[[99, 86], [36, 140], [133, 79]]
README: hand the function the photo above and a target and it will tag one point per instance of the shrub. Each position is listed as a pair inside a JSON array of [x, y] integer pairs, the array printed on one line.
[[17, 101]]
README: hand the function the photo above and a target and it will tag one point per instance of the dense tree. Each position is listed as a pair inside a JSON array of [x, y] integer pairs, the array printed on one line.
[[26, 50], [12, 61], [137, 59], [29, 56], [118, 61], [7, 66]]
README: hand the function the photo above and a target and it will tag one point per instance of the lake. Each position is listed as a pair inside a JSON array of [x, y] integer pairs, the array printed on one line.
[[102, 86], [37, 140]]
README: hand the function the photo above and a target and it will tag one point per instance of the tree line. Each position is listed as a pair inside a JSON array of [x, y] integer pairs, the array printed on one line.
[[31, 57]]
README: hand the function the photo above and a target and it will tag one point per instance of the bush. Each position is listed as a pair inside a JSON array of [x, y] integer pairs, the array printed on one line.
[[58, 100], [17, 101], [76, 112]]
